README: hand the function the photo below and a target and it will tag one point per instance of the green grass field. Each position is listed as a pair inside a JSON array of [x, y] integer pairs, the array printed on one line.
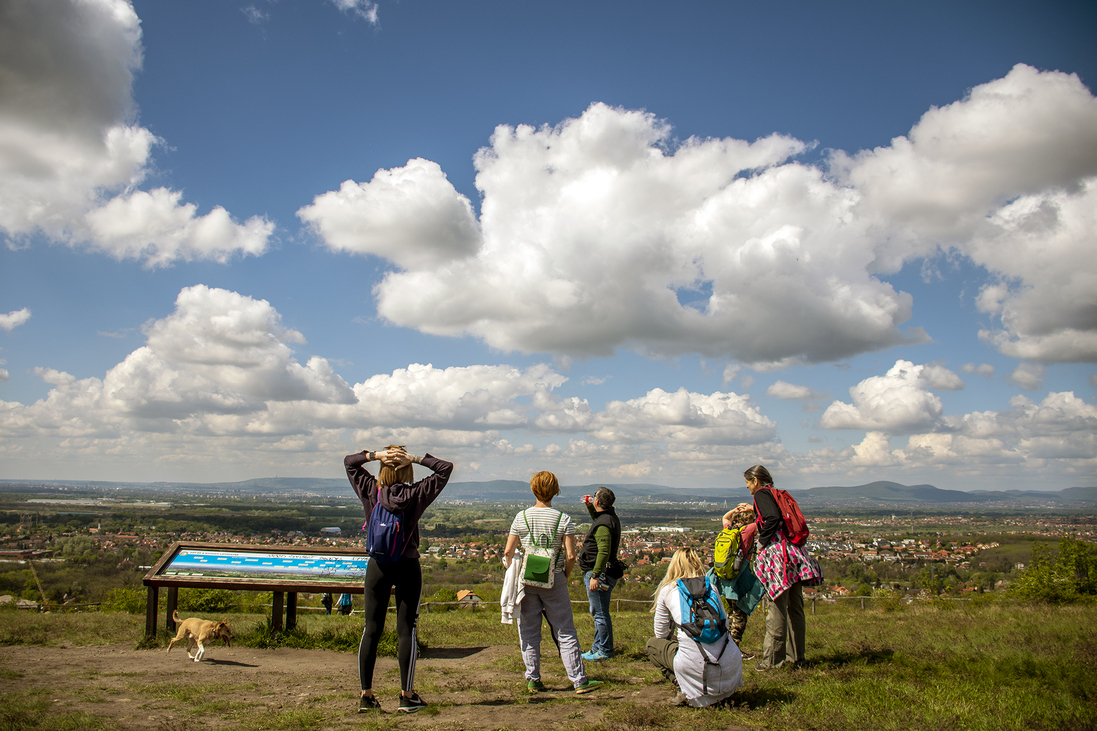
[[979, 665]]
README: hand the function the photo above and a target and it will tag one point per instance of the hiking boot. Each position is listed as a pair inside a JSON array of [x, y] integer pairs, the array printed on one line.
[[747, 655], [593, 656], [368, 703], [412, 704], [535, 686], [588, 686]]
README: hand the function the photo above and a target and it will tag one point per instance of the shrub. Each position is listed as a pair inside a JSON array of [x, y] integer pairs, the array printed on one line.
[[444, 595], [1060, 577], [131, 600], [209, 601], [889, 600]]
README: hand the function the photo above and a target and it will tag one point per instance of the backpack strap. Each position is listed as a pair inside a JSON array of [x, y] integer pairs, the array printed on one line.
[[402, 525], [700, 646], [552, 540], [559, 519], [704, 670], [782, 534]]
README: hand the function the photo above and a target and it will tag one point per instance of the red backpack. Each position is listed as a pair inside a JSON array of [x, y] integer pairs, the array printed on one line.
[[796, 528]]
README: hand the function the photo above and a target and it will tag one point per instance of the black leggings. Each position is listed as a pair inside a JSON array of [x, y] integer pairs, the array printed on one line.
[[407, 576]]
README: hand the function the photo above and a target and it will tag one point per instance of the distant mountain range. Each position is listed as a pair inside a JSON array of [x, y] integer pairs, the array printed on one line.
[[873, 494], [893, 493]]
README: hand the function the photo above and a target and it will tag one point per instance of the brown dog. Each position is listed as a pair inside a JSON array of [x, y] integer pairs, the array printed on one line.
[[200, 631]]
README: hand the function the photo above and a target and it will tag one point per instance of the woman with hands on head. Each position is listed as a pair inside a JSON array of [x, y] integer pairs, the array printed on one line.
[[395, 490]]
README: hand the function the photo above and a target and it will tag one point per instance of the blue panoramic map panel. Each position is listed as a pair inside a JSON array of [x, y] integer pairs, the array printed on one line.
[[266, 566]]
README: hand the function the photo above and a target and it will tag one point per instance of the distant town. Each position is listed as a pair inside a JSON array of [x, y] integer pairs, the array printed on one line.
[[835, 541]]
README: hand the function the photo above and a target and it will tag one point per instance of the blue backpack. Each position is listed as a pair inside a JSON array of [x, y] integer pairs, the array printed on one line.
[[703, 615], [385, 539]]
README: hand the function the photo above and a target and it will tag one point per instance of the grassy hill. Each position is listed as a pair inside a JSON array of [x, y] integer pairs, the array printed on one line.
[[954, 666]]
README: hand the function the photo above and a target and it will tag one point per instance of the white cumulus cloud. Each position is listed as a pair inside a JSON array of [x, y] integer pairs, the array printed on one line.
[[684, 418], [219, 376], [218, 354], [1027, 376], [604, 232], [410, 215], [365, 9], [1062, 426], [14, 319], [873, 451], [470, 397], [1054, 440], [983, 369], [897, 402], [71, 152], [790, 391], [156, 228], [1008, 177], [593, 234]]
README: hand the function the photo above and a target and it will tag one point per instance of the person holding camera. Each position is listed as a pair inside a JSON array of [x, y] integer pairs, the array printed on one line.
[[598, 561]]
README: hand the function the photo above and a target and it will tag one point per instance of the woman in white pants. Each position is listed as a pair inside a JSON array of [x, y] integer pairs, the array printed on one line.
[[545, 524]]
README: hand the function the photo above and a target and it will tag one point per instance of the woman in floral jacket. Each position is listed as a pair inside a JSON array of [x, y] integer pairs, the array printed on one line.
[[784, 569]]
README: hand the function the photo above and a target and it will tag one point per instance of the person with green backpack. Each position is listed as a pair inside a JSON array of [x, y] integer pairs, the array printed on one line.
[[731, 569], [547, 538]]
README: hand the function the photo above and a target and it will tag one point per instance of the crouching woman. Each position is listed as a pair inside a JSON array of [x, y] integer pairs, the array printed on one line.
[[704, 673]]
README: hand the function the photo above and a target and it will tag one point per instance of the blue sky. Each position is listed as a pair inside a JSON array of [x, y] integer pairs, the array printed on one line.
[[625, 242]]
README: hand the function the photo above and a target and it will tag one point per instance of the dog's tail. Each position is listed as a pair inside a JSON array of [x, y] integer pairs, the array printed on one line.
[[175, 616]]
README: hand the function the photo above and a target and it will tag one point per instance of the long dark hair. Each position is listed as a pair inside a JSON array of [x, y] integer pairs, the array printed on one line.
[[760, 473]]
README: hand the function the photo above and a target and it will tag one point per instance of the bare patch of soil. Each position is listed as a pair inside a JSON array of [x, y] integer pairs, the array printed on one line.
[[469, 688]]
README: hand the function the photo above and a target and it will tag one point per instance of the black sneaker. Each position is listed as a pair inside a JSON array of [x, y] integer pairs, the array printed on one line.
[[412, 704], [368, 703]]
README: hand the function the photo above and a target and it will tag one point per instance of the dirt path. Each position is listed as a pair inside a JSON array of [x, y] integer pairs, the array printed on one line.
[[470, 688]]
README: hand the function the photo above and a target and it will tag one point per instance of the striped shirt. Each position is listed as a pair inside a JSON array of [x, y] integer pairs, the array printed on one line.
[[542, 521]]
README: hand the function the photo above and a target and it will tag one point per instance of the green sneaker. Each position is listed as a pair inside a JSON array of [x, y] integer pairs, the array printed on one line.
[[535, 686], [588, 686]]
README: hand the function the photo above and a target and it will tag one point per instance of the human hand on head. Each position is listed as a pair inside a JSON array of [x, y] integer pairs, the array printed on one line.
[[397, 457], [386, 457]]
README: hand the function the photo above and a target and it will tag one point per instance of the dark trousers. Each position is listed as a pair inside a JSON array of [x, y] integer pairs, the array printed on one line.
[[407, 577]]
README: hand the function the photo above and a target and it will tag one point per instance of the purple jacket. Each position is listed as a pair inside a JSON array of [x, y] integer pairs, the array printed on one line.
[[411, 500]]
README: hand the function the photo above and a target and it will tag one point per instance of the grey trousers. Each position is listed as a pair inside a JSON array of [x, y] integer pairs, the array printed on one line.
[[785, 628], [555, 606]]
